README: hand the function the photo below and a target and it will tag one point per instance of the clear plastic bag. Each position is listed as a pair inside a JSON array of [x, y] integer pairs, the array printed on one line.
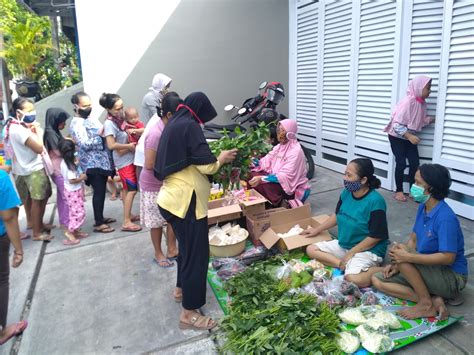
[[369, 298], [284, 271], [220, 262], [348, 342], [230, 269]]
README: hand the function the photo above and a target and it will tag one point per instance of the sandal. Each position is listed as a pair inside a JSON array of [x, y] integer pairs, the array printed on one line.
[[81, 235], [163, 263], [48, 226], [400, 199], [43, 238], [131, 228], [199, 322], [103, 228], [109, 220], [19, 328], [71, 242], [25, 235]]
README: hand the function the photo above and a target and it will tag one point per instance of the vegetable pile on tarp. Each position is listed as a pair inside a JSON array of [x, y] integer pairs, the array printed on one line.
[[250, 144], [264, 318]]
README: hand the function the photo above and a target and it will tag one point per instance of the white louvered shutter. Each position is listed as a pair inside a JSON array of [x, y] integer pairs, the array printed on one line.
[[336, 82], [306, 71], [454, 139], [376, 46], [425, 56]]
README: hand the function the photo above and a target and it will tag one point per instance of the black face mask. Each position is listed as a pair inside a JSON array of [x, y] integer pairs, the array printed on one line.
[[84, 112]]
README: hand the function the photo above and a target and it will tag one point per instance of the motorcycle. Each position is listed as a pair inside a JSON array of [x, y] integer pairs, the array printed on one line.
[[261, 108]]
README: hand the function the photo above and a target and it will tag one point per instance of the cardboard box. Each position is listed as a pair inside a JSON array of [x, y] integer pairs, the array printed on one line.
[[283, 221], [256, 205], [219, 211], [258, 223]]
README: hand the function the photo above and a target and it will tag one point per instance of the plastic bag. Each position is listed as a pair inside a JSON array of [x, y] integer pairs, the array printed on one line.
[[284, 271], [230, 269], [218, 263], [350, 300], [334, 298], [378, 343], [369, 298], [353, 316], [348, 288], [348, 342], [376, 326], [253, 254], [387, 318], [321, 275]]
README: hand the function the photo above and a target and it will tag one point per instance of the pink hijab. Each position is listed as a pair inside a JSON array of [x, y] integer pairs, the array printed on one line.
[[411, 111], [287, 162]]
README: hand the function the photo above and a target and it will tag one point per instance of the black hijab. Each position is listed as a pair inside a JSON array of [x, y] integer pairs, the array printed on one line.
[[182, 142], [52, 136]]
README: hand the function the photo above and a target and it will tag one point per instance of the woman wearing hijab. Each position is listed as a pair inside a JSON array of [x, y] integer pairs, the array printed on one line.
[[281, 174], [183, 164], [407, 121], [55, 122], [152, 98]]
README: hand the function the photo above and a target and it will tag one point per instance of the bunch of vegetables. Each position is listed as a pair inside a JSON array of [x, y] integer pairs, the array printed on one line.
[[264, 318], [250, 144]]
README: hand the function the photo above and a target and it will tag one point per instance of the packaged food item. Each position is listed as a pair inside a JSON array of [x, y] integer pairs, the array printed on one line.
[[321, 275], [376, 326], [348, 288], [230, 269], [369, 298], [350, 300], [378, 343], [296, 230], [348, 342], [387, 318], [352, 316], [334, 298], [219, 262]]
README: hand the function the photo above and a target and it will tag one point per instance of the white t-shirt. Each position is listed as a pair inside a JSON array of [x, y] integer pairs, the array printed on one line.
[[140, 147], [69, 174], [26, 161]]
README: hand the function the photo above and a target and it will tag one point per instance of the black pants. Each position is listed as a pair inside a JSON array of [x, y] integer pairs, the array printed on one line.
[[4, 279], [402, 150], [99, 186], [193, 258]]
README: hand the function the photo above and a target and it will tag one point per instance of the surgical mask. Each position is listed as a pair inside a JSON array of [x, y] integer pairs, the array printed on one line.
[[84, 112], [28, 117], [352, 186], [418, 193]]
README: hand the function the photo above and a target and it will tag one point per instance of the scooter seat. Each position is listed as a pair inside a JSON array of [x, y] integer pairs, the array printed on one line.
[[218, 127]]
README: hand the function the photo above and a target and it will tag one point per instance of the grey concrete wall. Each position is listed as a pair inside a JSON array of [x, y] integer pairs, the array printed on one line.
[[224, 48]]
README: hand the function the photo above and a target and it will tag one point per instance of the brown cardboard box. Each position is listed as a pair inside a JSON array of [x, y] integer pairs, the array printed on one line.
[[218, 213], [283, 221], [254, 206], [258, 223]]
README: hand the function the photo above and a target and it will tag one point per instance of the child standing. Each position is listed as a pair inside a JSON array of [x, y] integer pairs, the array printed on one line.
[[73, 191], [132, 125]]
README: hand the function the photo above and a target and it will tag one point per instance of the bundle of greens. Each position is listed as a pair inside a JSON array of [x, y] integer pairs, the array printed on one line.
[[264, 318], [250, 144]]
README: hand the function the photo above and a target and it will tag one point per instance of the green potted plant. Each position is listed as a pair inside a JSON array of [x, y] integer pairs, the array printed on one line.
[[27, 40]]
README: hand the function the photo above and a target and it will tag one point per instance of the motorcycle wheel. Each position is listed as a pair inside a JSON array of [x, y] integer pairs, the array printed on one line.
[[309, 162]]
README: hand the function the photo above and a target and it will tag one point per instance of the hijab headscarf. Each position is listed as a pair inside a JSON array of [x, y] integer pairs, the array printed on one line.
[[183, 143], [287, 162], [411, 110], [52, 135], [160, 80]]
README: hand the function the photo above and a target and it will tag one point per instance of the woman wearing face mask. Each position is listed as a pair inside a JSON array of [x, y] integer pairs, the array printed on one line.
[[431, 266], [25, 137], [183, 162], [94, 157], [150, 186], [407, 121], [362, 227], [281, 174], [55, 122], [152, 99], [123, 154]]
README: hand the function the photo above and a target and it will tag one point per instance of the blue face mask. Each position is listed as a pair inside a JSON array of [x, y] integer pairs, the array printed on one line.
[[352, 186], [28, 117], [418, 193]]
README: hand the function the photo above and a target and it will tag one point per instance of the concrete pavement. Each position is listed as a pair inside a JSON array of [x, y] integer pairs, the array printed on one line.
[[107, 296]]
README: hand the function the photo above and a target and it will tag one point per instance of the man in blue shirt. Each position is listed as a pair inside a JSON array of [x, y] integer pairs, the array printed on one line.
[[431, 267], [9, 231]]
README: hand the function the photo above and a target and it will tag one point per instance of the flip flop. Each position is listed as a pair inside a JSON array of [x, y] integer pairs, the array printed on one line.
[[132, 228], [49, 226], [20, 328], [109, 220], [159, 263], [404, 199], [173, 258], [113, 198], [81, 235], [25, 235], [43, 238], [106, 229], [71, 242], [199, 322]]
